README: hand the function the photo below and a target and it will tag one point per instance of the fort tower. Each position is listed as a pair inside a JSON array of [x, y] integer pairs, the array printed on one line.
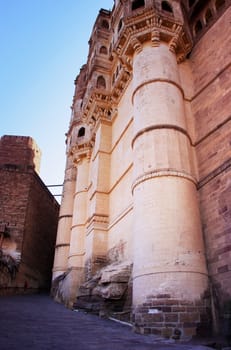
[[144, 231]]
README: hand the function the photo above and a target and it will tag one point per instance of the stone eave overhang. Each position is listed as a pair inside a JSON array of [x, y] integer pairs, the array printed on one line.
[[99, 105], [151, 25]]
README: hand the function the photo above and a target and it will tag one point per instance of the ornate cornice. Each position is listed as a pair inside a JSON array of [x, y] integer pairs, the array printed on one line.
[[97, 221], [81, 151], [146, 25], [121, 82], [98, 106], [151, 25]]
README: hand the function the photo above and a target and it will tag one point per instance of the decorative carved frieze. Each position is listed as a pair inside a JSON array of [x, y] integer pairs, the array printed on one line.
[[79, 152], [100, 219], [136, 44], [146, 25], [120, 84], [151, 25], [97, 222], [155, 38], [152, 174], [97, 106]]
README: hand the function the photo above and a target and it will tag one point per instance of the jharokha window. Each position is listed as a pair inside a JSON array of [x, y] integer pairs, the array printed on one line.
[[208, 16], [120, 25], [101, 83], [81, 132], [103, 50], [198, 27], [105, 24], [166, 7], [137, 4]]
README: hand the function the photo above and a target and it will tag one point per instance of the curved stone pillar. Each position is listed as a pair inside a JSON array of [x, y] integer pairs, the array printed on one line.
[[169, 272], [65, 221], [78, 229]]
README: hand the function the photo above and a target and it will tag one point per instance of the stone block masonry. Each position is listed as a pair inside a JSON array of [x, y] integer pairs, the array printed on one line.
[[172, 318], [28, 218], [147, 182]]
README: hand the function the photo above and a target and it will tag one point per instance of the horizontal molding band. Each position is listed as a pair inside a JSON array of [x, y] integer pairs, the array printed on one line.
[[121, 216], [97, 192], [209, 83], [213, 174], [75, 268], [161, 126], [78, 225], [97, 222], [65, 216], [92, 229], [80, 192], [98, 217], [171, 271], [76, 255], [61, 269], [122, 134], [157, 80], [109, 152], [219, 126], [162, 173], [62, 245], [121, 177]]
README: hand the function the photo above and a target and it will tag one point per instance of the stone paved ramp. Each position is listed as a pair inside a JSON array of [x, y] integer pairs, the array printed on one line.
[[37, 322]]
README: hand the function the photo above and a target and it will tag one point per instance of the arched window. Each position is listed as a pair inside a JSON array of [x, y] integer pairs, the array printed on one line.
[[137, 4], [219, 4], [166, 6], [120, 25], [101, 83], [198, 27], [81, 132], [103, 50], [191, 3], [105, 24], [208, 16]]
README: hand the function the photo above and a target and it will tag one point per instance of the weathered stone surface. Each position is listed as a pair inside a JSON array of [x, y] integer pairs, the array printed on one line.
[[112, 290], [118, 273], [108, 286], [28, 218], [150, 136]]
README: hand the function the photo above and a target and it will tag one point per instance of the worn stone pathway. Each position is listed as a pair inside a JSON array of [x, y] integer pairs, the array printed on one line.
[[36, 322]]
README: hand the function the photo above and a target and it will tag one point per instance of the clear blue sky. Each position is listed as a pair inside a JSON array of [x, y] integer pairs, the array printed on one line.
[[43, 44]]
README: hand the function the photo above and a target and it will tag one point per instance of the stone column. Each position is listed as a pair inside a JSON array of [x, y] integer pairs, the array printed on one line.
[[65, 220], [97, 228], [169, 273], [78, 229]]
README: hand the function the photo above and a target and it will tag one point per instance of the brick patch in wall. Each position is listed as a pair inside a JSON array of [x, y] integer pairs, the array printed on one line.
[[170, 317]]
